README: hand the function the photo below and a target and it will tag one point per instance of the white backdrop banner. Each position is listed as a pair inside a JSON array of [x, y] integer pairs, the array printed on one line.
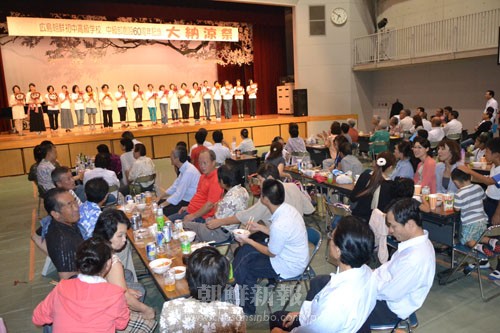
[[47, 27]]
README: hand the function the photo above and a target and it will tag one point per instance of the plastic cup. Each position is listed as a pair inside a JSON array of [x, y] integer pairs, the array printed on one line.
[[169, 280], [149, 198], [418, 190], [433, 201]]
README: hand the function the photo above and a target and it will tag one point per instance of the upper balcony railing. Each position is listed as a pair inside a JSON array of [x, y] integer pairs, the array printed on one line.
[[460, 34]]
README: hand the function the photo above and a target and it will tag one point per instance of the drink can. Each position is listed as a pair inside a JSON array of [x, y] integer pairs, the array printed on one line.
[[185, 246], [151, 251], [137, 199], [160, 238], [137, 217], [167, 231], [128, 197], [178, 225], [133, 222]]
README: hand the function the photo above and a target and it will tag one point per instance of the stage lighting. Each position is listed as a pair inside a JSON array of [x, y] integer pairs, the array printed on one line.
[[382, 23]]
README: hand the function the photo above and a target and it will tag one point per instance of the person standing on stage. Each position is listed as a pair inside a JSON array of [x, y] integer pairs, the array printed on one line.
[[239, 92], [17, 104], [138, 103], [163, 96], [196, 101], [227, 97], [121, 101], [77, 98], [252, 97], [217, 97], [173, 99], [34, 101], [65, 102], [185, 101], [52, 108], [90, 106], [206, 91], [151, 100], [106, 101]]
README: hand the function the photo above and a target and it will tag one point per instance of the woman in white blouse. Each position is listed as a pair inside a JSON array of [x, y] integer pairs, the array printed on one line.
[[206, 91], [239, 92], [217, 97], [163, 96], [77, 98], [16, 102], [121, 101], [52, 108], [196, 101], [185, 102], [252, 97], [90, 105], [106, 101], [138, 103], [66, 117], [151, 101], [173, 100], [227, 98]]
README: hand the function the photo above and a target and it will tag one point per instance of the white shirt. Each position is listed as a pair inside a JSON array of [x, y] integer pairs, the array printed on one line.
[[90, 101], [151, 98], [184, 187], [221, 153], [64, 100], [427, 125], [108, 175], [436, 134], [206, 143], [143, 166], [246, 145], [78, 100], [492, 191], [49, 101], [127, 159], [106, 100], [343, 305], [288, 242], [195, 95], [137, 100], [406, 124], [217, 94], [184, 96], [405, 280], [494, 104], [163, 96], [453, 127], [121, 102], [173, 100], [252, 91], [207, 92], [239, 91], [227, 92]]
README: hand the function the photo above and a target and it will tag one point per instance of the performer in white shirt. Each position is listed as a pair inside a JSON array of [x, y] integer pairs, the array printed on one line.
[[16, 102], [151, 101], [252, 97], [138, 103], [106, 100], [217, 97], [77, 99], [227, 98], [185, 102], [206, 91], [491, 102], [163, 97], [195, 95], [52, 108], [453, 126], [66, 117], [90, 105], [121, 103], [239, 92], [173, 100], [34, 100]]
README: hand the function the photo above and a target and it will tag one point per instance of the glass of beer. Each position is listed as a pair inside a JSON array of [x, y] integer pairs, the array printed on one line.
[[149, 198], [169, 280]]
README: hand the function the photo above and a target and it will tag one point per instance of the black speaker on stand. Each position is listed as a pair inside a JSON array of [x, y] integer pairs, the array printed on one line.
[[299, 102]]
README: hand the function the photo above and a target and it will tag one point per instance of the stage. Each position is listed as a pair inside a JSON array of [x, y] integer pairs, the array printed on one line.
[[16, 152]]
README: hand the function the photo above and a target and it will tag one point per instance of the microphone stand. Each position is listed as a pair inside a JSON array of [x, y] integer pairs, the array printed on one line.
[[99, 106]]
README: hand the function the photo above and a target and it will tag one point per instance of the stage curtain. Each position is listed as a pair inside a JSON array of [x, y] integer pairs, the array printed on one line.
[[268, 66], [5, 124]]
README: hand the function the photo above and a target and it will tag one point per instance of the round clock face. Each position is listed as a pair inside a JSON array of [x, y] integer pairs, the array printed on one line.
[[338, 16]]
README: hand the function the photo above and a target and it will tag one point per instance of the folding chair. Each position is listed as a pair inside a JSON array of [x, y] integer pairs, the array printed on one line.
[[334, 212], [455, 137], [136, 187], [111, 190], [446, 276], [409, 324], [314, 237], [377, 147]]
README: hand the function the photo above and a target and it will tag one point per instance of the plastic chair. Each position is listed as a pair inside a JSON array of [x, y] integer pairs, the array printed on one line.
[[409, 323], [136, 186], [314, 237], [377, 147], [446, 276], [454, 136]]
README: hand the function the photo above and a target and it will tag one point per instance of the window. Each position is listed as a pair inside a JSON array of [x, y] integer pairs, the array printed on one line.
[[317, 20]]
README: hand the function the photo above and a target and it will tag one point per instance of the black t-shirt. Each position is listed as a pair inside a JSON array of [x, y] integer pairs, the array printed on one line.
[[62, 243]]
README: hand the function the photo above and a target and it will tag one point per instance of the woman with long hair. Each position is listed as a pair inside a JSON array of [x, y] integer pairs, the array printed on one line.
[[374, 187], [90, 106], [449, 156], [275, 158], [425, 174]]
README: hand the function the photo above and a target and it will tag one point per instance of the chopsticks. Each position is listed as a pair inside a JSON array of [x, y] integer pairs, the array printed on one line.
[[250, 220]]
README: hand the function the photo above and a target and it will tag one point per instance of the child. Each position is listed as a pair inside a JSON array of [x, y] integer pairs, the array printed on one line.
[[469, 201]]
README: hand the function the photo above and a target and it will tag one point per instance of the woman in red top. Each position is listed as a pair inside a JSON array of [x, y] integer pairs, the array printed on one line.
[[86, 303], [426, 169]]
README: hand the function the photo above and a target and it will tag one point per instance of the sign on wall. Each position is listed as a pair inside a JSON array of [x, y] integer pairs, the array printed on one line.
[[40, 27]]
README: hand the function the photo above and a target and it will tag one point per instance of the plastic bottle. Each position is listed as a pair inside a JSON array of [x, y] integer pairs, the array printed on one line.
[[233, 144], [160, 220]]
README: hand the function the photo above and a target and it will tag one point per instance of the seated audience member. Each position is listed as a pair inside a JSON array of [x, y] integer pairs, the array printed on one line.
[[286, 155], [112, 226], [200, 137], [425, 174], [206, 269], [221, 150], [448, 152], [143, 166], [208, 192], [492, 201], [46, 165], [115, 164], [246, 145], [403, 153], [235, 200], [101, 171], [417, 123], [180, 193], [480, 146], [394, 126], [405, 121], [453, 126], [203, 133], [469, 201], [38, 157], [426, 123], [62, 178], [285, 255], [127, 159], [129, 135], [329, 163], [405, 280], [374, 123], [275, 158], [328, 138], [352, 131], [484, 126], [295, 142], [349, 162], [345, 302], [258, 212], [380, 135], [436, 134], [373, 188], [96, 190], [87, 303], [63, 236], [439, 113], [447, 110], [345, 131]]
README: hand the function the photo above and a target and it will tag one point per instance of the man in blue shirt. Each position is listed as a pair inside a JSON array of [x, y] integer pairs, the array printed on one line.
[[96, 190]]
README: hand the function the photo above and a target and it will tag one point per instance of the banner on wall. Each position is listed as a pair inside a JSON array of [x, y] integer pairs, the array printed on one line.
[[41, 27]]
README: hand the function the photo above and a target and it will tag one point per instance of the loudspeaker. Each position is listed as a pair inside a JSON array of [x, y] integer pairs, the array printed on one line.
[[300, 102]]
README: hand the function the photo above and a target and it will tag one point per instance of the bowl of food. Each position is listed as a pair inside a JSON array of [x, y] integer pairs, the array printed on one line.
[[189, 234], [179, 271], [141, 207], [241, 232], [160, 266]]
